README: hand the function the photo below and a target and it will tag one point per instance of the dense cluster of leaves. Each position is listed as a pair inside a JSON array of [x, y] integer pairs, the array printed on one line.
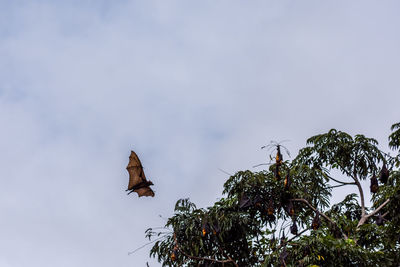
[[282, 216]]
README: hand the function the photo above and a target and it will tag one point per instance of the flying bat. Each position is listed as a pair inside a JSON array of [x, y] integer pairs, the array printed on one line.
[[137, 180]]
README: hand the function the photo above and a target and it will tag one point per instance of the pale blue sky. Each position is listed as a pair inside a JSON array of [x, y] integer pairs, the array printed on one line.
[[191, 86]]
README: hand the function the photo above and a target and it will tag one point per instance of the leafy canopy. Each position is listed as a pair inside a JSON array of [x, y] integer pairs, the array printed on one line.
[[282, 216]]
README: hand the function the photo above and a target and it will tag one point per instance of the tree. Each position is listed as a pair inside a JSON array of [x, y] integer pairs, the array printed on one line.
[[282, 216]]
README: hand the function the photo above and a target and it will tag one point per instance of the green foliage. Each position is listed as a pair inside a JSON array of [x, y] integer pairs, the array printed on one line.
[[394, 138], [338, 150], [265, 218]]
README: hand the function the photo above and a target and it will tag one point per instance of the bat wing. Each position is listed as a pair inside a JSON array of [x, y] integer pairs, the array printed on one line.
[[137, 179], [135, 169], [145, 191]]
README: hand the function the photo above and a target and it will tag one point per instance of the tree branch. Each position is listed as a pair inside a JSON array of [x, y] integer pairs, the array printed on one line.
[[340, 182], [354, 176], [361, 195], [366, 216], [322, 214], [339, 185], [290, 239], [378, 208], [202, 258]]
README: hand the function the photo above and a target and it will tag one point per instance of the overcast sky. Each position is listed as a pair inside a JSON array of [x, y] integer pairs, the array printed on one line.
[[191, 86]]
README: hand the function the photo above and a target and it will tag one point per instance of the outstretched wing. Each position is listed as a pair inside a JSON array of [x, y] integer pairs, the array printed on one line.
[[145, 191], [135, 169], [137, 179]]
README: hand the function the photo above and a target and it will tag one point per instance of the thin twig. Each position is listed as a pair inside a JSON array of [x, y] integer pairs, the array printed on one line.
[[299, 234], [225, 172], [339, 185], [386, 213], [129, 253], [261, 164], [340, 182], [290, 239]]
